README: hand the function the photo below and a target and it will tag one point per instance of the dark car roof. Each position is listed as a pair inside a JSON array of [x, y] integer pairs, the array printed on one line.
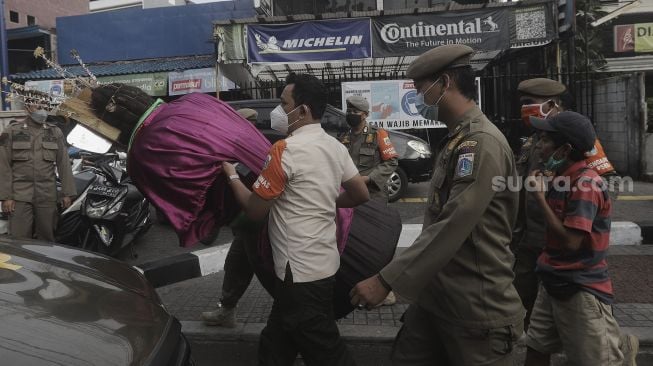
[[62, 306], [272, 103]]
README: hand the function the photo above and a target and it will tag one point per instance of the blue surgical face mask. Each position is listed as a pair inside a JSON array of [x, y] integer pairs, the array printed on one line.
[[428, 111], [554, 164]]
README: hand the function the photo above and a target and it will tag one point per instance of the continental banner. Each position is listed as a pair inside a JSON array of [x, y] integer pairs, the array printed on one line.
[[314, 41], [416, 34], [392, 104]]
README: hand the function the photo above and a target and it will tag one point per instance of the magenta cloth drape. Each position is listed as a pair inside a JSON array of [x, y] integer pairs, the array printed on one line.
[[175, 161], [176, 158]]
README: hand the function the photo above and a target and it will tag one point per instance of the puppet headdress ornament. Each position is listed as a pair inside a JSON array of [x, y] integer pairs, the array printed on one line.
[[77, 105]]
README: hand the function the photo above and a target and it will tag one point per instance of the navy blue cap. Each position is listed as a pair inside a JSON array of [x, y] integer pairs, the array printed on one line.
[[575, 127]]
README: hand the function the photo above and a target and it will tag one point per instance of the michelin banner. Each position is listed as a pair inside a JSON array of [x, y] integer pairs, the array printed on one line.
[[392, 104], [416, 34], [316, 41]]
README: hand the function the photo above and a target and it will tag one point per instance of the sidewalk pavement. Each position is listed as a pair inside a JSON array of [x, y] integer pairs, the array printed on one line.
[[186, 300], [366, 331]]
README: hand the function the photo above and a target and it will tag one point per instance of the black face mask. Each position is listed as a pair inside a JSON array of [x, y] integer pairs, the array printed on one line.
[[354, 120]]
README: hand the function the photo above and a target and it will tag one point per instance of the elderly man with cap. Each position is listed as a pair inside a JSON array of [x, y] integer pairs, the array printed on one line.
[[540, 97], [370, 148], [572, 311], [457, 273]]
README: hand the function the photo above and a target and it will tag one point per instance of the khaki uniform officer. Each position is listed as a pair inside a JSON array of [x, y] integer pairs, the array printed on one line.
[[457, 274], [540, 97], [30, 151], [370, 148], [248, 114]]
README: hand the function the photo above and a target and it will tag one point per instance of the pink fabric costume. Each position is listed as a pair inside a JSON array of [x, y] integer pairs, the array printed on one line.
[[175, 161]]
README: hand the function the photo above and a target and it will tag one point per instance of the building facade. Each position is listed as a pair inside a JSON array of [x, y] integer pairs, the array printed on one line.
[[21, 13]]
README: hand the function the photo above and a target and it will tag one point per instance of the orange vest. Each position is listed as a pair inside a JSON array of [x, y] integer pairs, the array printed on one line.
[[597, 160]]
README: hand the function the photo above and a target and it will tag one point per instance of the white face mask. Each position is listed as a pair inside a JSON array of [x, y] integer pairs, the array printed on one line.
[[279, 119], [39, 116]]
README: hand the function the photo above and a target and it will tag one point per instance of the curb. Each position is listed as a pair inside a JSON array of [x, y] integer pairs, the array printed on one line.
[[647, 231], [207, 261], [251, 332], [621, 233], [625, 233], [182, 267]]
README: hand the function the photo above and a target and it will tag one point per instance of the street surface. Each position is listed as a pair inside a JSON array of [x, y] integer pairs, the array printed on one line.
[[161, 241], [630, 268]]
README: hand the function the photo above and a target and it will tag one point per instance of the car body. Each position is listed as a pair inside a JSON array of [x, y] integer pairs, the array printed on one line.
[[64, 306], [415, 156]]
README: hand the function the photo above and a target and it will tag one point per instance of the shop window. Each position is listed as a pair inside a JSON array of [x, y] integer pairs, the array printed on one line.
[[13, 17], [31, 20]]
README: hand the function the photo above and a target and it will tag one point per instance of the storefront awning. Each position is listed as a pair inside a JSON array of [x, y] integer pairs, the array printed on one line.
[[125, 68], [629, 64], [26, 32], [376, 67]]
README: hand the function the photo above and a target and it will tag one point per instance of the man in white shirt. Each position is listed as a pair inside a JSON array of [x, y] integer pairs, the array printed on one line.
[[300, 189]]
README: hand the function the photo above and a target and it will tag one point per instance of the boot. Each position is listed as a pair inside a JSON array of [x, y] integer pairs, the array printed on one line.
[[629, 346], [223, 317]]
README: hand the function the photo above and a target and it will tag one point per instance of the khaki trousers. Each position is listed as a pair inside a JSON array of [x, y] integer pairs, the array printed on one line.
[[29, 219]]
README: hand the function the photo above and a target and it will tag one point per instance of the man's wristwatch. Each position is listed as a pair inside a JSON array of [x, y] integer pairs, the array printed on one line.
[[233, 177]]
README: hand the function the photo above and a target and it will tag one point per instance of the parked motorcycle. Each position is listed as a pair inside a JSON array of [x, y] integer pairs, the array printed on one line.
[[110, 213]]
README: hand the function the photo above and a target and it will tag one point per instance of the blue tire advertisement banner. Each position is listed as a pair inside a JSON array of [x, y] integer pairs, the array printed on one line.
[[305, 42]]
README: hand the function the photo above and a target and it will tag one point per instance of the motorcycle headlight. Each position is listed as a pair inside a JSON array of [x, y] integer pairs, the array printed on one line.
[[95, 212], [420, 147], [115, 208], [104, 233]]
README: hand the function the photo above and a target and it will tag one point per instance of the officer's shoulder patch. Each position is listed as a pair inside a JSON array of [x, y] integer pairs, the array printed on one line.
[[468, 143], [466, 147], [268, 159], [454, 142], [465, 166]]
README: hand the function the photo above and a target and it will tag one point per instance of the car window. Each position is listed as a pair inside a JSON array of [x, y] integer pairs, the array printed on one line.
[[333, 121], [263, 119]]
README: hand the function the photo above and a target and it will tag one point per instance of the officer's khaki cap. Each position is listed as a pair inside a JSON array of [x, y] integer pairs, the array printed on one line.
[[359, 103], [541, 87], [439, 59], [248, 113]]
